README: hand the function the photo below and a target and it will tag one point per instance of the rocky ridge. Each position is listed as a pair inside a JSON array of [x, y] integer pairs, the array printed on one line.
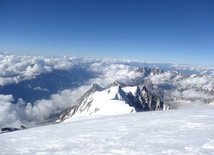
[[98, 100]]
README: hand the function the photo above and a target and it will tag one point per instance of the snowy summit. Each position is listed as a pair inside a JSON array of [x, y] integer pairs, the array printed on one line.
[[114, 100]]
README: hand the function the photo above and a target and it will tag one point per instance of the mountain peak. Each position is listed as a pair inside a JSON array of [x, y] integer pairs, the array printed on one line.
[[157, 71], [95, 87], [144, 70], [144, 89], [114, 100]]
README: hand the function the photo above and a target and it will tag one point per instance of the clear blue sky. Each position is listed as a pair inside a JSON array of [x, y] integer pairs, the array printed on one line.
[[156, 30]]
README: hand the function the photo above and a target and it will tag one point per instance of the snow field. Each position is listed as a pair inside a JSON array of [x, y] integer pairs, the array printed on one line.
[[147, 133], [106, 103]]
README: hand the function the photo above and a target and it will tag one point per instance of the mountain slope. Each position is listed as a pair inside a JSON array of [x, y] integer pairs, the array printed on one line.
[[114, 100], [177, 132]]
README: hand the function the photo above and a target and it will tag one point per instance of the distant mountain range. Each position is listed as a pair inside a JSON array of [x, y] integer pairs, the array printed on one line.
[[176, 88]]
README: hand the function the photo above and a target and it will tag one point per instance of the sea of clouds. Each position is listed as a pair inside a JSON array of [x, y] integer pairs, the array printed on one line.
[[16, 68]]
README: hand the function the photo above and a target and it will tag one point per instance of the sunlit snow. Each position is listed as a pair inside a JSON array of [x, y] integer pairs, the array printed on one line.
[[162, 132], [105, 103]]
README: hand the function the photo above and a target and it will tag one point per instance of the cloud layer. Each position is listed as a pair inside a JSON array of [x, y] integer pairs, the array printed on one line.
[[16, 68]]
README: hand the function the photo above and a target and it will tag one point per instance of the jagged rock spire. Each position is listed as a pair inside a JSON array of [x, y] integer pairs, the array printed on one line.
[[144, 70]]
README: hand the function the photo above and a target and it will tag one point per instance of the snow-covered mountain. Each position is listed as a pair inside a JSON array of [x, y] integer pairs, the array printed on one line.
[[114, 100]]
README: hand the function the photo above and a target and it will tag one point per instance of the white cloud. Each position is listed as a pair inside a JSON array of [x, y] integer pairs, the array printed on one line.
[[193, 94], [112, 72], [40, 89], [161, 78], [14, 68], [8, 112], [25, 113]]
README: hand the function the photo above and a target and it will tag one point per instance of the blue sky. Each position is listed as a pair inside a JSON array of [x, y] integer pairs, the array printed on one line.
[[179, 31]]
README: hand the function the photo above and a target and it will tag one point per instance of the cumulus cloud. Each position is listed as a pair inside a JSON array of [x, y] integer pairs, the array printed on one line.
[[194, 81], [16, 68], [161, 78], [200, 82], [194, 68], [193, 94], [16, 114], [43, 109], [112, 72], [190, 94], [8, 112]]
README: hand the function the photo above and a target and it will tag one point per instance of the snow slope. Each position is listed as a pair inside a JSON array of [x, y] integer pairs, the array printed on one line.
[[113, 100], [160, 132], [107, 102]]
